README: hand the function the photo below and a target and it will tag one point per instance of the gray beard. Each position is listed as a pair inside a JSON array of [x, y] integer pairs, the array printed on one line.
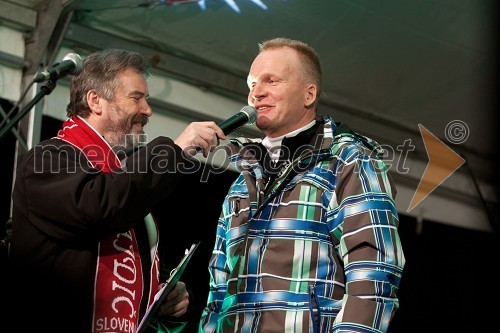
[[124, 144]]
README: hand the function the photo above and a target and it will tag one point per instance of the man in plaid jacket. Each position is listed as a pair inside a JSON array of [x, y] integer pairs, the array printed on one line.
[[307, 239]]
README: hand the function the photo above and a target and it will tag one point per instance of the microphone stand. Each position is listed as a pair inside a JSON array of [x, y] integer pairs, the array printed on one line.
[[45, 90]]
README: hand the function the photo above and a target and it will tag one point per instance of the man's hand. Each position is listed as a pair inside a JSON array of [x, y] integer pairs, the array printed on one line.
[[200, 136], [176, 302]]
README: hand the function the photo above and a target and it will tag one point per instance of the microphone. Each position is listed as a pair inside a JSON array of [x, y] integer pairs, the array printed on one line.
[[247, 115], [72, 64]]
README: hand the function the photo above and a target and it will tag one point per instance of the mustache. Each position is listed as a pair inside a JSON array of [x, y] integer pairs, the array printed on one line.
[[140, 119]]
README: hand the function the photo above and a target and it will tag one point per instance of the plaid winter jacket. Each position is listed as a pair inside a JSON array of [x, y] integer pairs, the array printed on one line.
[[317, 250]]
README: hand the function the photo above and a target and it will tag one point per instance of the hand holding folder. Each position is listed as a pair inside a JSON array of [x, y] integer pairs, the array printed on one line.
[[174, 277]]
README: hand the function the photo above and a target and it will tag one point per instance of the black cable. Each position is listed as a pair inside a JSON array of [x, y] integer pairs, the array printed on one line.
[[15, 106]]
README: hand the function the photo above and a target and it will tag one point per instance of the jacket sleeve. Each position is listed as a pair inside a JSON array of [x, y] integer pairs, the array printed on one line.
[[82, 202], [365, 233], [219, 272]]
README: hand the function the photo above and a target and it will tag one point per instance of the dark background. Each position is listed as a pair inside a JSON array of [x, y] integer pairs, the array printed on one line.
[[448, 282]]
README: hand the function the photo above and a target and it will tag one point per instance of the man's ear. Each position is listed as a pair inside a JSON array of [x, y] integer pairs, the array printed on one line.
[[310, 95], [94, 101]]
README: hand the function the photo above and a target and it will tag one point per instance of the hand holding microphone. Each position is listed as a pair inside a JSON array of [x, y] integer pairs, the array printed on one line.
[[205, 135], [200, 136]]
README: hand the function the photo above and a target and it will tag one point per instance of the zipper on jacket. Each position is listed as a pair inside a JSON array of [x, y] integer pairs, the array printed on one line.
[[312, 297], [274, 187]]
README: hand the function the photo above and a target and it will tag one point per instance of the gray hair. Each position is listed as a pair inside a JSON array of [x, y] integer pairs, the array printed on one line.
[[100, 73]]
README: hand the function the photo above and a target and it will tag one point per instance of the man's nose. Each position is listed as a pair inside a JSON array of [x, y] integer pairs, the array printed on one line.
[[257, 93], [147, 111]]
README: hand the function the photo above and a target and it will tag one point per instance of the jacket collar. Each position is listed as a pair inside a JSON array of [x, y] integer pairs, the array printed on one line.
[[248, 153]]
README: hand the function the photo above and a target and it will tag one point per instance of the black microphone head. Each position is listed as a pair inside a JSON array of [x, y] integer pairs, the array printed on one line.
[[77, 60], [71, 64], [251, 113], [247, 115]]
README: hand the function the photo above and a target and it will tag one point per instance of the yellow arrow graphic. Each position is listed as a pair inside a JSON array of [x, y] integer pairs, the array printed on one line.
[[443, 162]]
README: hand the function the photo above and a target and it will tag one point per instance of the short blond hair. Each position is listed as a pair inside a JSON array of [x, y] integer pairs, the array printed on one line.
[[312, 64]]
